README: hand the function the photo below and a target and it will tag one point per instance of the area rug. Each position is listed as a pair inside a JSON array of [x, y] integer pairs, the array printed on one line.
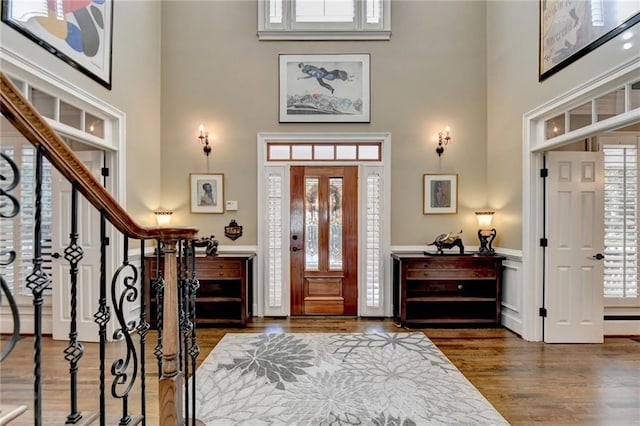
[[335, 379]]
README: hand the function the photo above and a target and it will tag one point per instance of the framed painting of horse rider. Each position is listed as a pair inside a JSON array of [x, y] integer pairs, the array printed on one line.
[[324, 88]]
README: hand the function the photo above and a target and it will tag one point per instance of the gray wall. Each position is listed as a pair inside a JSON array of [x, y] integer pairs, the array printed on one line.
[[431, 74], [513, 89], [467, 64]]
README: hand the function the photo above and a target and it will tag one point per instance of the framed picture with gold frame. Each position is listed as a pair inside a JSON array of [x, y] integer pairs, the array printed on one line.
[[207, 192], [440, 193]]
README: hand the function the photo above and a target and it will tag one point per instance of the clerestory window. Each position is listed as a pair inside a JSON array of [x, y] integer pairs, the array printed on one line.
[[324, 19]]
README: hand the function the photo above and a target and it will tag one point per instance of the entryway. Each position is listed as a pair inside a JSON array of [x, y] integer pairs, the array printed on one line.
[[324, 228]]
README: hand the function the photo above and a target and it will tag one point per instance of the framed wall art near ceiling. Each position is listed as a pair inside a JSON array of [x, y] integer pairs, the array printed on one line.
[[440, 194], [324, 88], [207, 192], [570, 29], [78, 32]]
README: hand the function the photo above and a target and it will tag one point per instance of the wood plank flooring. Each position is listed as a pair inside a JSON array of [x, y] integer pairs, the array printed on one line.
[[529, 383]]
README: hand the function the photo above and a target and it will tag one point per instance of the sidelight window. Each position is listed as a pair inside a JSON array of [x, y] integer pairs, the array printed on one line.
[[621, 221]]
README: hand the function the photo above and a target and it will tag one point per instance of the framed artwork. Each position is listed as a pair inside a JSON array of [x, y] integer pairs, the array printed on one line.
[[324, 88], [571, 29], [440, 194], [207, 193], [78, 32]]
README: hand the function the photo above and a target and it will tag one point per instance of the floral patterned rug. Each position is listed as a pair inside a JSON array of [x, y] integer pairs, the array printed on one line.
[[335, 379]]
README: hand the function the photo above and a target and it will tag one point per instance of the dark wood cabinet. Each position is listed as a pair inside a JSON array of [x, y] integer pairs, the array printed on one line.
[[225, 293], [447, 289]]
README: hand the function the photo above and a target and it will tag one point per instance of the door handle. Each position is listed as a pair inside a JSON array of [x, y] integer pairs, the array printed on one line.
[[598, 256], [56, 255], [295, 249]]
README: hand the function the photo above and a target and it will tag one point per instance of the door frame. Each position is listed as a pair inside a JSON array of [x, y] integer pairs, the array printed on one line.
[[534, 146], [264, 165]]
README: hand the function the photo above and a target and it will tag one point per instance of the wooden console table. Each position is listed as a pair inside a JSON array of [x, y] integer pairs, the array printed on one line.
[[447, 289], [225, 295]]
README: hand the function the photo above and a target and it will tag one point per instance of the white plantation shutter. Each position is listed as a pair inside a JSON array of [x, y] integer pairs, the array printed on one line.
[[372, 275], [621, 221], [276, 250], [17, 233]]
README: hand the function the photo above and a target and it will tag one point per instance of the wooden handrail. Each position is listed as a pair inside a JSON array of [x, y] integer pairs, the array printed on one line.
[[33, 127]]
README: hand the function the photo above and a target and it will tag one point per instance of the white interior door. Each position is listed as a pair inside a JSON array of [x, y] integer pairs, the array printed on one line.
[[575, 216], [88, 268]]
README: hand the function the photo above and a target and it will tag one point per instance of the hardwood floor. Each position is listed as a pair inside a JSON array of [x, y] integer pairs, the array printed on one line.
[[528, 383]]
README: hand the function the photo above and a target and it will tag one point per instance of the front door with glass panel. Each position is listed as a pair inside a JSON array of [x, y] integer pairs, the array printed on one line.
[[324, 240]]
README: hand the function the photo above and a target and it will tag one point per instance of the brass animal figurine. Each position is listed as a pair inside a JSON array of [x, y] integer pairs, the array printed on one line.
[[447, 241]]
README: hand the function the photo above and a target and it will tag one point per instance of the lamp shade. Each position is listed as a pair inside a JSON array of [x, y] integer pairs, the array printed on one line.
[[484, 219], [163, 217]]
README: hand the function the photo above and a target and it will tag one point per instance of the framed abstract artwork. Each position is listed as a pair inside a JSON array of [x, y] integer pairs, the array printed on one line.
[[77, 31], [207, 193], [571, 29], [324, 88], [439, 194]]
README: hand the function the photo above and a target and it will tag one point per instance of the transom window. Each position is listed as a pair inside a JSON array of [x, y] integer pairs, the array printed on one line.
[[324, 19]]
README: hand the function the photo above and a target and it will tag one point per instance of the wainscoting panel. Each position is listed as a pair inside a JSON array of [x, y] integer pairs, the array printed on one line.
[[512, 294]]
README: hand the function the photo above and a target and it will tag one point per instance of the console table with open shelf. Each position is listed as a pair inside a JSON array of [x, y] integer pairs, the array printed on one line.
[[225, 293], [447, 289]]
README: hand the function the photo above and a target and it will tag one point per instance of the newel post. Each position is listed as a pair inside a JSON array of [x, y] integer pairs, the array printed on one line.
[[170, 385]]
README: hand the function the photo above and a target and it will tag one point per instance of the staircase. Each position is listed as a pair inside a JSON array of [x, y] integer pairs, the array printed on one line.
[[121, 372]]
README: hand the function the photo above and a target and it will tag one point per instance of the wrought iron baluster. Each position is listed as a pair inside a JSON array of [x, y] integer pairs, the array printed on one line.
[[37, 281], [124, 369], [103, 315], [143, 330], [194, 349], [185, 324], [10, 209], [158, 286], [73, 253]]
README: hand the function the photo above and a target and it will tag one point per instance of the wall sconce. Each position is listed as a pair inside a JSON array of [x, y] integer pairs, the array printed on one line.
[[486, 234], [443, 139], [204, 140], [163, 217]]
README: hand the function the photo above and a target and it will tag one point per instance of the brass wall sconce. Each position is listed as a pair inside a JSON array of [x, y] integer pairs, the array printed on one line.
[[486, 234], [443, 139], [204, 140]]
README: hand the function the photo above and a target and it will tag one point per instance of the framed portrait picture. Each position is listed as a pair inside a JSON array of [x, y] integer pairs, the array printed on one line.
[[324, 88], [440, 194], [78, 32], [207, 193], [571, 29]]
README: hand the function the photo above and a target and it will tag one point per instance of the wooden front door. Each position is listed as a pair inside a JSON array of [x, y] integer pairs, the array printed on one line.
[[324, 240]]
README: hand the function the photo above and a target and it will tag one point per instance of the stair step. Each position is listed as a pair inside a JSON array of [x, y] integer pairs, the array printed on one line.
[[9, 413]]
